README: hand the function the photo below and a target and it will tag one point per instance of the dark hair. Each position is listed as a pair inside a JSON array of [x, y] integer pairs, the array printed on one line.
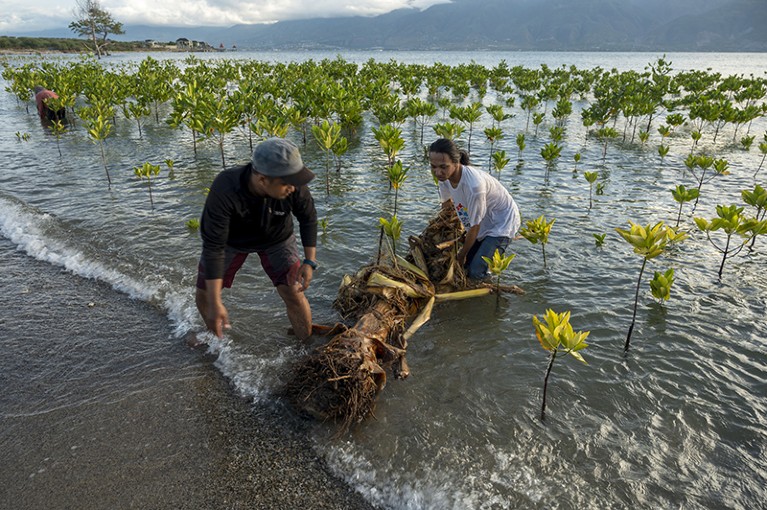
[[447, 146]]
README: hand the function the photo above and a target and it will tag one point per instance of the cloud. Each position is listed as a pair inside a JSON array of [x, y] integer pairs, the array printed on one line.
[[22, 15]]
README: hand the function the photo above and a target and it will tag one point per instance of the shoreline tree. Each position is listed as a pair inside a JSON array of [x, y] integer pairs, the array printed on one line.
[[94, 23]]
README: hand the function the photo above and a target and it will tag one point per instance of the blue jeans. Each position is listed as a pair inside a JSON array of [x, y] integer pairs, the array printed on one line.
[[476, 267]]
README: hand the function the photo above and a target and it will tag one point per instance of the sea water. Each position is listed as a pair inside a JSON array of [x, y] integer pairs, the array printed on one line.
[[678, 423]]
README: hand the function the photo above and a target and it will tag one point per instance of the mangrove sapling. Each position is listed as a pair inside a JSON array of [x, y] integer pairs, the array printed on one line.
[[497, 113], [758, 199], [557, 133], [397, 175], [604, 134], [471, 115], [648, 242], [339, 149], [449, 130], [57, 127], [550, 153], [682, 195], [663, 151], [499, 161], [529, 103], [599, 239], [390, 139], [660, 285], [393, 230], [493, 134], [763, 150], [537, 120], [327, 135], [223, 117], [591, 177], [577, 159], [98, 129], [747, 141], [731, 221], [420, 111], [520, 145], [497, 265], [136, 110], [696, 136], [537, 231], [557, 334], [146, 171], [171, 168]]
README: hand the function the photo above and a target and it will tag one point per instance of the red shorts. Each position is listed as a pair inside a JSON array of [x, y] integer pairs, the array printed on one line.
[[280, 262]]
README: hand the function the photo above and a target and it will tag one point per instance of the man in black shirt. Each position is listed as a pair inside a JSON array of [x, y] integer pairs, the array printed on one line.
[[250, 209]]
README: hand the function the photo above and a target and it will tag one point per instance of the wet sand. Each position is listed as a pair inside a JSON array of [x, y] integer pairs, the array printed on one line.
[[92, 420]]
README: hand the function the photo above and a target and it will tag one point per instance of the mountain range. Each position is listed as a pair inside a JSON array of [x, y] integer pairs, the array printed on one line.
[[546, 25]]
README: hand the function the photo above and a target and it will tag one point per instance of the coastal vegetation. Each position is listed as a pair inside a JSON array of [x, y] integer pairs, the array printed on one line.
[[345, 104]]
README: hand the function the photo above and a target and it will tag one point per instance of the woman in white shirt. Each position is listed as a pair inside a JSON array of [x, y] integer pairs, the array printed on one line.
[[484, 206]]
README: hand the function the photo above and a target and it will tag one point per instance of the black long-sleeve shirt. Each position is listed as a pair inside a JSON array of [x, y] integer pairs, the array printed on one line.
[[235, 217]]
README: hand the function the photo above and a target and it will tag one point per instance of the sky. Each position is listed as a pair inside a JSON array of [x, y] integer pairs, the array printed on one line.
[[18, 16]]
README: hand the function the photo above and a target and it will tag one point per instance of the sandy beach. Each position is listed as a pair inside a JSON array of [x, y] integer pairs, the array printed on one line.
[[148, 423]]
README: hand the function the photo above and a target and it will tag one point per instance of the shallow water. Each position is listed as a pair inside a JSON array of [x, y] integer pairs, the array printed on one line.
[[678, 423]]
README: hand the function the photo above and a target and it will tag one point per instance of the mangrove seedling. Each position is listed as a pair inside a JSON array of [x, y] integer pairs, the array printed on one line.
[[520, 144], [500, 161], [170, 164], [682, 195], [660, 285], [731, 221], [747, 141], [757, 199], [493, 134], [497, 265], [648, 242], [577, 159], [57, 127], [591, 177], [557, 334], [390, 139], [663, 151], [327, 135], [393, 230], [98, 129], [449, 130], [537, 231], [604, 134], [397, 175], [763, 150], [146, 171], [193, 224], [695, 135], [644, 136], [324, 226], [599, 239], [551, 152]]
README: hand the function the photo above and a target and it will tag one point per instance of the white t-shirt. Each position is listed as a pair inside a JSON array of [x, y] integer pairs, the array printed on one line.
[[481, 199]]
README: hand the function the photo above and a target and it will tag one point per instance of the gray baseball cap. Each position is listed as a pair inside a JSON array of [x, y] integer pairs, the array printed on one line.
[[278, 157]]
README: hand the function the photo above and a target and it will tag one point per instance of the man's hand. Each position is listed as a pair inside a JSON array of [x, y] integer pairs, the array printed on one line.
[[217, 320], [302, 277]]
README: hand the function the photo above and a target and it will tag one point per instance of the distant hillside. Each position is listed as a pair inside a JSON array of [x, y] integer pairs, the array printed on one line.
[[554, 25]]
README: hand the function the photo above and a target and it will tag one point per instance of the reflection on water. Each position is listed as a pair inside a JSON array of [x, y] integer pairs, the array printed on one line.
[[678, 423]]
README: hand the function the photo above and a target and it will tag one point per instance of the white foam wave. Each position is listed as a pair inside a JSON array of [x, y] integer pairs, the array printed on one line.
[[34, 233]]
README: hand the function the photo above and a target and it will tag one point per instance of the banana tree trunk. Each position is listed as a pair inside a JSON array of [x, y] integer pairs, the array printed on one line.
[[341, 380]]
